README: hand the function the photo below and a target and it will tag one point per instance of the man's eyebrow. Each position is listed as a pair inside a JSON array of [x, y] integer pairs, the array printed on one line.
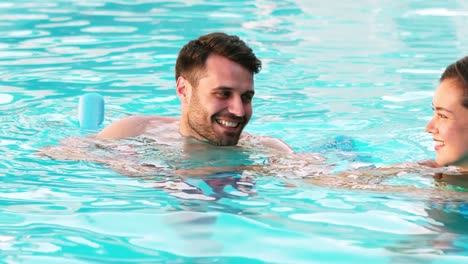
[[438, 108], [226, 88]]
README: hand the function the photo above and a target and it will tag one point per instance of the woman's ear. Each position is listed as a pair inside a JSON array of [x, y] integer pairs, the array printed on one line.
[[183, 89]]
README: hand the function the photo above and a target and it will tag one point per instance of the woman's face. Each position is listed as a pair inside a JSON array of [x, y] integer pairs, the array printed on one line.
[[449, 125]]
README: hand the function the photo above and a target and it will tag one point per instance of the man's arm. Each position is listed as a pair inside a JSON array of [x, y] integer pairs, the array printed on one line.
[[351, 183], [81, 149], [373, 179], [422, 168]]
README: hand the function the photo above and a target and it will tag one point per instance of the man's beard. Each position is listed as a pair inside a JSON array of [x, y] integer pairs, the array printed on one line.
[[202, 126]]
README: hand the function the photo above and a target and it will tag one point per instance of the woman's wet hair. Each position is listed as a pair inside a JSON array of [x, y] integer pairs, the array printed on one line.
[[459, 71], [192, 57]]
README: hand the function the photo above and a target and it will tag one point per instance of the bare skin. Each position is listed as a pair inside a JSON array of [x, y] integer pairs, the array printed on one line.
[[166, 131], [446, 187], [209, 131], [215, 111], [207, 136], [449, 125]]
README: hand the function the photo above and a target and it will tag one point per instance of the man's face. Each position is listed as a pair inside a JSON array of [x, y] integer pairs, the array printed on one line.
[[220, 106]]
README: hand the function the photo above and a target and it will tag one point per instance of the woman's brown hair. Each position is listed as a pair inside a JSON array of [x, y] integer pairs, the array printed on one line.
[[459, 71]]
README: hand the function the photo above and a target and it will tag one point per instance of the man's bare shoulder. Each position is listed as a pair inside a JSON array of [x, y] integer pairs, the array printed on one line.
[[269, 142], [133, 126]]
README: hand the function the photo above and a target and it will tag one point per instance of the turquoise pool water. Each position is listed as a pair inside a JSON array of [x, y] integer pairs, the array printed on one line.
[[365, 70]]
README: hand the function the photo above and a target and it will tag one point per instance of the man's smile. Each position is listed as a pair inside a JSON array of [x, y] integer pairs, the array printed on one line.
[[227, 124]]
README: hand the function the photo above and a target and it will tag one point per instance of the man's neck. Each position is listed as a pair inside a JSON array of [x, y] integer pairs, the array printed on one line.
[[184, 128]]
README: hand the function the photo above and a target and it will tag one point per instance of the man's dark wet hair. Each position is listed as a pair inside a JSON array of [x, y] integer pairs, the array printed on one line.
[[192, 57], [459, 71]]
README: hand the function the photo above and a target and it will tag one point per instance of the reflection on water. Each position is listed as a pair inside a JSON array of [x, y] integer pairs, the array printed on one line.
[[350, 81]]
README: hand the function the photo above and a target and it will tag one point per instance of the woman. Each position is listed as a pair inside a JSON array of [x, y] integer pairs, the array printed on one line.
[[449, 125]]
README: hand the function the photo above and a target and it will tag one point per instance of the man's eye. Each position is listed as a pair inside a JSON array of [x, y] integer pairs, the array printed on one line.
[[224, 94], [247, 98]]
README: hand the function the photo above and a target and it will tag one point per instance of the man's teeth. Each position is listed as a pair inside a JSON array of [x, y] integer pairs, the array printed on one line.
[[227, 123], [439, 143]]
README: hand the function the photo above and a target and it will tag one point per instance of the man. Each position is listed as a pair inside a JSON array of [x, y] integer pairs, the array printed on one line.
[[215, 85]]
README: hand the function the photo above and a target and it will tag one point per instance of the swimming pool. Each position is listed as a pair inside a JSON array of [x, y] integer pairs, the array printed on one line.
[[366, 71]]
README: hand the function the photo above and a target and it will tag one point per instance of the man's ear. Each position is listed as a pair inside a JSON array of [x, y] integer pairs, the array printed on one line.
[[183, 89]]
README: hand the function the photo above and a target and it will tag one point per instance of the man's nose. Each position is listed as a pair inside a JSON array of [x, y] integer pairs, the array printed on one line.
[[236, 106]]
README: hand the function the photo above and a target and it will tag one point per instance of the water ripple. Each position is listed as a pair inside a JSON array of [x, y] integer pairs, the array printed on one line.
[[109, 29], [23, 17], [366, 71], [76, 23]]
